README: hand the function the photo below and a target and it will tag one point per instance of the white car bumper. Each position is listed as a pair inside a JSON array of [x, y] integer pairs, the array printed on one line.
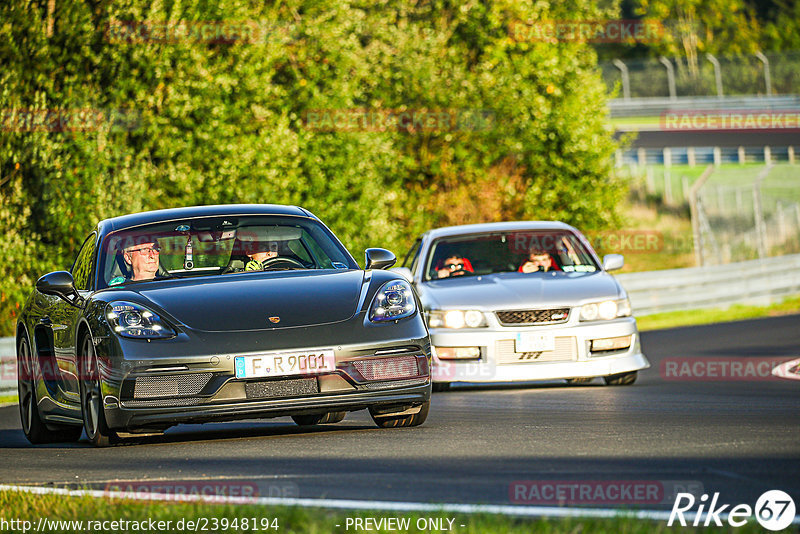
[[571, 358]]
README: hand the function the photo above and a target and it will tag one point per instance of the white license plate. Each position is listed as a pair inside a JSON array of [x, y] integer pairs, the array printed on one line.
[[285, 363], [535, 342]]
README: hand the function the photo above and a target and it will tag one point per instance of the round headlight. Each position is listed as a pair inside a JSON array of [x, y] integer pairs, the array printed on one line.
[[607, 309], [130, 318], [473, 318], [454, 319], [589, 312]]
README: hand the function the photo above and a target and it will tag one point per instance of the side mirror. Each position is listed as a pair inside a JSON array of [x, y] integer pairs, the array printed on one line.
[[60, 284], [612, 262], [379, 258], [405, 272]]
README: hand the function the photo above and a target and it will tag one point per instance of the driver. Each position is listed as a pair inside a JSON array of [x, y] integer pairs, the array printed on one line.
[[142, 260], [259, 253]]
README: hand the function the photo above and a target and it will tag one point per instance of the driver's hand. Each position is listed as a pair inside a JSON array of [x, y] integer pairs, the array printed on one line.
[[253, 265]]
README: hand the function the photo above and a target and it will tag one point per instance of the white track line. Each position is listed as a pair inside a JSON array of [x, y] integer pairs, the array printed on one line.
[[381, 506]]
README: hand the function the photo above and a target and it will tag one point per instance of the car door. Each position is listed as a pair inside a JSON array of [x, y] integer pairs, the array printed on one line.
[[64, 321]]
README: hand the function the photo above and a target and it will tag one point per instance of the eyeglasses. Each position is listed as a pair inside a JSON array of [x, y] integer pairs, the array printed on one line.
[[147, 250], [454, 266]]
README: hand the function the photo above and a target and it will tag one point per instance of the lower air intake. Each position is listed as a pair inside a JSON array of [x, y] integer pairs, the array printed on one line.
[[183, 385], [388, 368], [292, 387]]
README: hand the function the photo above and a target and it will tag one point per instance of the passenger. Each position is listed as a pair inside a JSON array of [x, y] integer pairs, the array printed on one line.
[[538, 260], [454, 266]]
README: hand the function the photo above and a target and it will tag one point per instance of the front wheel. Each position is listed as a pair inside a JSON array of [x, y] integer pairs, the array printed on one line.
[[398, 421], [32, 425], [94, 419], [621, 379]]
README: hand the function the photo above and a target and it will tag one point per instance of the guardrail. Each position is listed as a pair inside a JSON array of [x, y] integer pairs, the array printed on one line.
[[758, 282], [655, 106]]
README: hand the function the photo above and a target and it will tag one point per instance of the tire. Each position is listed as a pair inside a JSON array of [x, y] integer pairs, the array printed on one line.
[[440, 386], [621, 379], [399, 421], [579, 381], [35, 430], [94, 419], [319, 419]]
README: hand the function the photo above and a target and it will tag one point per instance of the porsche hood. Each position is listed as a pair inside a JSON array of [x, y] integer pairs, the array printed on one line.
[[255, 301]]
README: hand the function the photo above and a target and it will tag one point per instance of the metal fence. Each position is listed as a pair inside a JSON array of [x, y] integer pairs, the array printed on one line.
[[762, 74]]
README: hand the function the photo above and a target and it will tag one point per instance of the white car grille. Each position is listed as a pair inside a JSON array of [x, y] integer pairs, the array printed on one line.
[[566, 350]]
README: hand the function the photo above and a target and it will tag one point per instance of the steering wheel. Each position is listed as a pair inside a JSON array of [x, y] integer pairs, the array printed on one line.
[[271, 262]]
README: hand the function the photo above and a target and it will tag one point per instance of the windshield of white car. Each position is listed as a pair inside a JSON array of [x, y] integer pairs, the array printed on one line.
[[523, 252], [218, 246]]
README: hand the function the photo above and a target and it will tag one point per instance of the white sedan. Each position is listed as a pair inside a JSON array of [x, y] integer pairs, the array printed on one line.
[[523, 301]]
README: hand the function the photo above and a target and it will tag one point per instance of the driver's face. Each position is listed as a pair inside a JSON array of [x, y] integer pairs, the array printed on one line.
[[271, 251], [143, 259]]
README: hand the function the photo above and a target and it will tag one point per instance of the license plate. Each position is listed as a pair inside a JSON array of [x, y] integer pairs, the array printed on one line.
[[535, 342], [285, 364]]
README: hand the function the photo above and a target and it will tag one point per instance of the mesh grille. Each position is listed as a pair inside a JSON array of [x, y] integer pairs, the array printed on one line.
[[394, 384], [388, 368], [292, 387], [566, 350], [183, 385], [185, 401], [549, 316]]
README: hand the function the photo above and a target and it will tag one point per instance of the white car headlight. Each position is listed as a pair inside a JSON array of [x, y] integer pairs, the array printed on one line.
[[456, 319], [605, 310], [394, 300], [129, 319]]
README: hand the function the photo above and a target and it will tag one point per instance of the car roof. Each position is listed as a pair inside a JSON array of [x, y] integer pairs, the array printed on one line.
[[466, 229], [147, 217]]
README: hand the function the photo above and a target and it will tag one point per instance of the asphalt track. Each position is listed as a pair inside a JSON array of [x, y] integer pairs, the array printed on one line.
[[739, 438]]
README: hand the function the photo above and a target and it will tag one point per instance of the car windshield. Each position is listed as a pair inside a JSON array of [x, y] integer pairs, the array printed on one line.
[[218, 246], [523, 252]]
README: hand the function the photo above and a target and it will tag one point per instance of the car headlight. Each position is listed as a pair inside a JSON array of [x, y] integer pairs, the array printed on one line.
[[605, 310], [129, 319], [394, 300], [456, 319]]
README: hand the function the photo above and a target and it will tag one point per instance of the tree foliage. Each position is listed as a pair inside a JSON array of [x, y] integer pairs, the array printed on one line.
[[191, 121]]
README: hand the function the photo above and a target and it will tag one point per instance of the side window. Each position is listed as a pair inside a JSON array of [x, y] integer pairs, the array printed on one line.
[[83, 268], [412, 257]]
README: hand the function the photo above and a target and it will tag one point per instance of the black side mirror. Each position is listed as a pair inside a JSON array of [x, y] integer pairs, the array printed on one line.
[[60, 284], [379, 258]]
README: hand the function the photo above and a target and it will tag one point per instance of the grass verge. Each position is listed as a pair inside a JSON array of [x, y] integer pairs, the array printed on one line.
[[8, 399], [737, 312], [28, 507]]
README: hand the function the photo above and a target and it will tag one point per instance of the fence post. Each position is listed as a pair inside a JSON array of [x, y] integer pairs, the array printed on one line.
[[767, 155], [693, 208], [791, 155], [717, 73], [758, 214], [673, 95], [767, 80], [626, 81], [690, 156], [741, 155], [717, 156]]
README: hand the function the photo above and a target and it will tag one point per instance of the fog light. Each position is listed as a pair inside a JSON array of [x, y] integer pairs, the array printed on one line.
[[458, 353], [611, 343]]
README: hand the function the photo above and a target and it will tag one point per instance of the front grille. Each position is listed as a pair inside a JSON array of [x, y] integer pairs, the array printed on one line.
[[388, 368], [566, 349], [180, 385], [291, 387], [528, 317]]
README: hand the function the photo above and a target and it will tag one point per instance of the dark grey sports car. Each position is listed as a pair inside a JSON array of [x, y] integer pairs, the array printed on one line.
[[216, 313]]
